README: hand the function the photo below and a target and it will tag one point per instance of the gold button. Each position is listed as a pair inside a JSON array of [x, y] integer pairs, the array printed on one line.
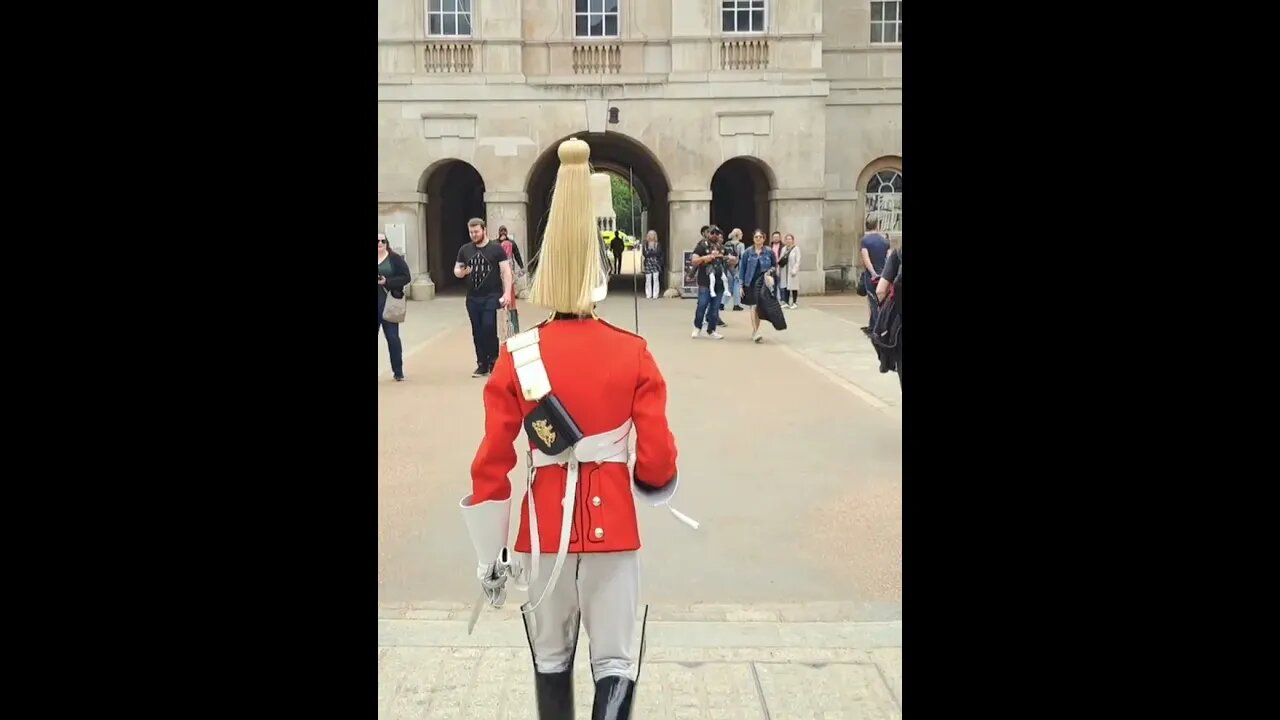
[[599, 533], [596, 501]]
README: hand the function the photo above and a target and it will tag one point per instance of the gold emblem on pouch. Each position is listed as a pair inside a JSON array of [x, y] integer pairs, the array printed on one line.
[[546, 433]]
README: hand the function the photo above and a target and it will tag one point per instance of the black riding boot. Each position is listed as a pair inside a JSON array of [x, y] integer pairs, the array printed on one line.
[[614, 696], [555, 694], [553, 690]]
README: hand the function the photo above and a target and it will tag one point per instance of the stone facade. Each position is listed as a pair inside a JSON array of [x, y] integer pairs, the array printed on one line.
[[801, 115]]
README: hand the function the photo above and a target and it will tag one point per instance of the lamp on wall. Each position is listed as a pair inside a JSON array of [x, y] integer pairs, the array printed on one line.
[[613, 116]]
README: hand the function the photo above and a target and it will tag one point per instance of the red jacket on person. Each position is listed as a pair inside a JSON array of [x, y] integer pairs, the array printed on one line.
[[604, 376]]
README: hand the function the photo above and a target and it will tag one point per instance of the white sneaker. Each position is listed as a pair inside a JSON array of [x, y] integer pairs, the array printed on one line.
[[697, 332], [757, 337], [792, 306], [715, 335]]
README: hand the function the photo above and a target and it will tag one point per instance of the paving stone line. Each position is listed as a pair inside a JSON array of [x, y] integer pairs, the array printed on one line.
[[696, 612], [705, 635]]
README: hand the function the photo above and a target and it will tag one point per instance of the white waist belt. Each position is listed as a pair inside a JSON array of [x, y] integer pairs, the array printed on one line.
[[608, 446]]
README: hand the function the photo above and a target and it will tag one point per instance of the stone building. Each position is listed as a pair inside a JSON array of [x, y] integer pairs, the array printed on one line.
[[778, 114]]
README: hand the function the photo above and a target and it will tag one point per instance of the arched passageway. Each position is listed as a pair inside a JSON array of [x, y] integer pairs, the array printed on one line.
[[455, 194], [740, 197], [624, 158]]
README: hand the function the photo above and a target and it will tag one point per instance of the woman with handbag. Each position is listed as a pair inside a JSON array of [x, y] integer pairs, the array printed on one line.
[[393, 275], [756, 267], [778, 246], [652, 265], [789, 272]]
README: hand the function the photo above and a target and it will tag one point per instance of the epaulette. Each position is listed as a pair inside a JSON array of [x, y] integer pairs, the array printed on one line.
[[527, 358], [608, 324], [513, 339]]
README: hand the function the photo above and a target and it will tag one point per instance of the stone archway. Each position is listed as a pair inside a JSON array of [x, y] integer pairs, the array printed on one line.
[[618, 155], [740, 191], [880, 195], [455, 194]]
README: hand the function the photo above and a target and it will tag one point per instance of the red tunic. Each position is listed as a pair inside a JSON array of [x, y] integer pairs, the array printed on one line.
[[604, 376]]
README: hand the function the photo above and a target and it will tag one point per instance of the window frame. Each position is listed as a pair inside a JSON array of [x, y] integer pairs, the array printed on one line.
[[603, 13], [867, 195], [427, 12], [736, 9], [889, 169], [897, 25]]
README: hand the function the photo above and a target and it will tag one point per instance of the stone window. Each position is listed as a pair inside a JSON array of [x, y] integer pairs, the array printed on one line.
[[886, 23], [595, 18], [449, 18], [742, 16], [884, 200]]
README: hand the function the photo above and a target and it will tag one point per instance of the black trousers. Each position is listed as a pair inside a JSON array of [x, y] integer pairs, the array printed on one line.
[[483, 310], [392, 332]]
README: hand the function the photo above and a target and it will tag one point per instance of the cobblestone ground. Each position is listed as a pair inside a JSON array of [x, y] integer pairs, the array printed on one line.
[[701, 661], [786, 604]]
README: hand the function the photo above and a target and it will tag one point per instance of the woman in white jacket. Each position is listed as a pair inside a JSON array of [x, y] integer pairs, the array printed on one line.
[[789, 272]]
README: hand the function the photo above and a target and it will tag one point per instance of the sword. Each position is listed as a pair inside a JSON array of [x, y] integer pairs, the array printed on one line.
[[475, 612]]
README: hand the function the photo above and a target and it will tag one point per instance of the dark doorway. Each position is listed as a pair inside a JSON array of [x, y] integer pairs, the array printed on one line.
[[740, 197], [455, 194], [622, 157]]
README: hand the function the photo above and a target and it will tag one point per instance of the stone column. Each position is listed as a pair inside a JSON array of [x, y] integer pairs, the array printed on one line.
[[799, 212], [842, 227], [410, 210], [499, 22], [509, 209], [692, 49], [689, 211]]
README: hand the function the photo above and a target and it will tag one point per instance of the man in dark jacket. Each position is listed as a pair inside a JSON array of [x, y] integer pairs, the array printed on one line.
[[886, 335], [872, 252], [503, 239], [617, 247]]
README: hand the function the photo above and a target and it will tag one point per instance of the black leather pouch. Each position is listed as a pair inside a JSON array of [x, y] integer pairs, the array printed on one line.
[[550, 427]]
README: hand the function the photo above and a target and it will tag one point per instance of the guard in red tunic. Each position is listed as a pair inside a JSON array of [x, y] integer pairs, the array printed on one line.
[[582, 390]]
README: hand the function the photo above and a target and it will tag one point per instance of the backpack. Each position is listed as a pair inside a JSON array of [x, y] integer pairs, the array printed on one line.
[[886, 336]]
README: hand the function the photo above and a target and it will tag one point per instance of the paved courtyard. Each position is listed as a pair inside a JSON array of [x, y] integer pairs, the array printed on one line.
[[702, 661], [785, 604]]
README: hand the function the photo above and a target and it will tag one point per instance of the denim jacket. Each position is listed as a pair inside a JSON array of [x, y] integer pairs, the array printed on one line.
[[750, 265]]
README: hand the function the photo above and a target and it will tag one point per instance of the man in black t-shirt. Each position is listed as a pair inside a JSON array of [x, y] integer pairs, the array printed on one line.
[[708, 257], [485, 266]]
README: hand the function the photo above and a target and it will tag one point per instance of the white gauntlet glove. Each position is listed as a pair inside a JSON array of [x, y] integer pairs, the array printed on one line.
[[487, 524], [493, 579]]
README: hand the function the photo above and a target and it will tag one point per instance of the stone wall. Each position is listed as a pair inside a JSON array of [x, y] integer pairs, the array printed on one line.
[[693, 96]]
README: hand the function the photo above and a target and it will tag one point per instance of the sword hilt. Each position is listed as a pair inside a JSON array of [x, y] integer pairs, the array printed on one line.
[[494, 582]]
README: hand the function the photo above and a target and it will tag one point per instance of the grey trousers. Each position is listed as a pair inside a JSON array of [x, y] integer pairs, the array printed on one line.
[[602, 590]]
